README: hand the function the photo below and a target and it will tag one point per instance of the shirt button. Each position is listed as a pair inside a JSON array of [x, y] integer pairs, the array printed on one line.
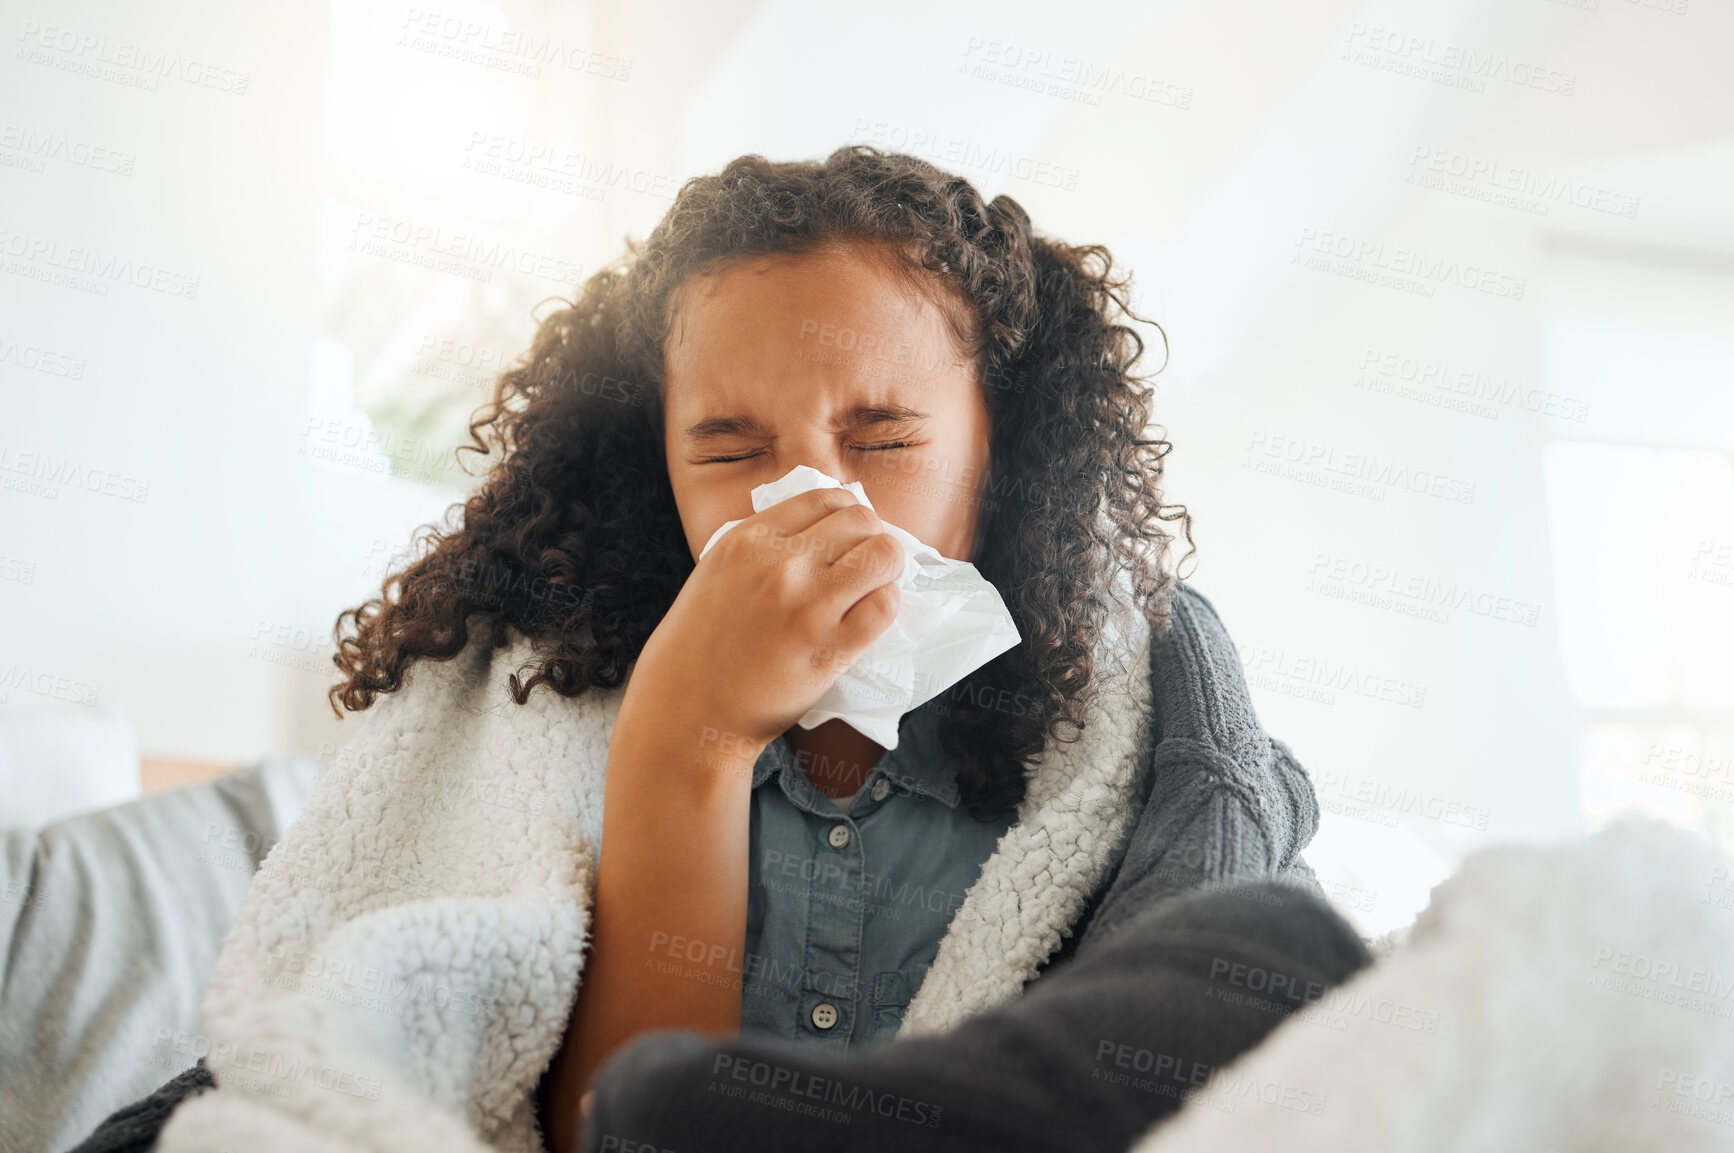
[[824, 1015], [880, 788], [839, 836]]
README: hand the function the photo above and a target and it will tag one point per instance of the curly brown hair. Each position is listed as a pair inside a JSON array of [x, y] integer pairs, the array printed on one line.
[[573, 538]]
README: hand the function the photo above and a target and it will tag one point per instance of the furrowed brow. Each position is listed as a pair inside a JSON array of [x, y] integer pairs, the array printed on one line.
[[723, 427], [867, 415]]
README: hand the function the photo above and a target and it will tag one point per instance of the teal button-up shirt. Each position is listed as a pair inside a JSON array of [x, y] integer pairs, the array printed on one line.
[[847, 900]]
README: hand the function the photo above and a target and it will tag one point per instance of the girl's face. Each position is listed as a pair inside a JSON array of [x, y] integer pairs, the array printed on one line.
[[822, 359]]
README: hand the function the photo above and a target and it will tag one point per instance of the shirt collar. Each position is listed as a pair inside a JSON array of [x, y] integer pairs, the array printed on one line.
[[917, 764]]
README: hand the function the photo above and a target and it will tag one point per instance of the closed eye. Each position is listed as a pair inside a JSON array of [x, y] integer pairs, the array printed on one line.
[[860, 448]]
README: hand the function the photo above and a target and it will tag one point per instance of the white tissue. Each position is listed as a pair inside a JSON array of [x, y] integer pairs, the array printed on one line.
[[952, 621]]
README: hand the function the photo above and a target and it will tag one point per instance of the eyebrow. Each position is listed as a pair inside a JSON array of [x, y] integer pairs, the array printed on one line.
[[861, 416]]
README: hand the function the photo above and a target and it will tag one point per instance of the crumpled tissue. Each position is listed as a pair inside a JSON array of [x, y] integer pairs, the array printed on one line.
[[952, 621]]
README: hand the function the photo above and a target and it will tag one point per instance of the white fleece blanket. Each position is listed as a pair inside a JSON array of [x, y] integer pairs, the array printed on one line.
[[404, 964], [1577, 998]]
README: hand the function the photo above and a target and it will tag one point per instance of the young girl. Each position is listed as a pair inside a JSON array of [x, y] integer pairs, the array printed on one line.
[[873, 318]]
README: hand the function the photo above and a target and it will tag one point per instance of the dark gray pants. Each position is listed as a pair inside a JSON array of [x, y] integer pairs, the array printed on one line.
[[1091, 1053]]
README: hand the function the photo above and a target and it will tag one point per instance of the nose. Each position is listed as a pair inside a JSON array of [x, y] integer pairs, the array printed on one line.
[[819, 450]]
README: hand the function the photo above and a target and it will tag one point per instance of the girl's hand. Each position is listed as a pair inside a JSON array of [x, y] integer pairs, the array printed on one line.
[[772, 615]]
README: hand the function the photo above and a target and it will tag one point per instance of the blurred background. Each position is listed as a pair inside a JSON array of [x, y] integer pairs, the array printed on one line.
[[1448, 290]]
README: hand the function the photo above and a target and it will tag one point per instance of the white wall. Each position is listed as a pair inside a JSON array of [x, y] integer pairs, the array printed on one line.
[[187, 396], [1281, 161]]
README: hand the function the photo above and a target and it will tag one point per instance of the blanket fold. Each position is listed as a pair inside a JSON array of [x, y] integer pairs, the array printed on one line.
[[1574, 996]]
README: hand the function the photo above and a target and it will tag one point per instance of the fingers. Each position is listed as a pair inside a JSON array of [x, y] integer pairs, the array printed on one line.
[[875, 559], [803, 511], [785, 519], [825, 531], [841, 544], [870, 616]]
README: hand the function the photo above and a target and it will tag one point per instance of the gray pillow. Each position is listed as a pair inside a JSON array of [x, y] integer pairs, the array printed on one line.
[[110, 922]]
